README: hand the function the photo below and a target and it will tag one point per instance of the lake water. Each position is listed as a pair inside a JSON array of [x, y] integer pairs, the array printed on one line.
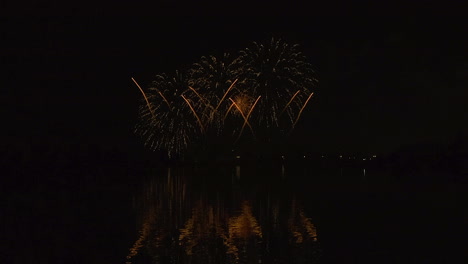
[[233, 213], [237, 214], [290, 213]]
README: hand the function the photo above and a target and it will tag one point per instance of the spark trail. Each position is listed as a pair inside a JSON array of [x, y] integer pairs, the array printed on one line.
[[300, 112], [164, 98], [243, 116], [292, 98], [227, 112], [146, 98], [247, 118], [194, 113], [224, 96]]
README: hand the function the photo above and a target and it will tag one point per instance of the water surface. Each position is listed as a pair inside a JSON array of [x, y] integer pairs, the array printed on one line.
[[233, 214], [289, 213]]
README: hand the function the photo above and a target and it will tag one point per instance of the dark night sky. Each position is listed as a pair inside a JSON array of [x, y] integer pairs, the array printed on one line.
[[390, 74], [384, 80]]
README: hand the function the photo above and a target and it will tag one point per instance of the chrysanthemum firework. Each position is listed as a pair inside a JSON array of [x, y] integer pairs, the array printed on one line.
[[171, 120], [280, 74], [217, 79]]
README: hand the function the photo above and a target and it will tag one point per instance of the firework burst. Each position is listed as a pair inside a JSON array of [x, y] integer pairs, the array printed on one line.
[[175, 120], [217, 79], [279, 73], [267, 86]]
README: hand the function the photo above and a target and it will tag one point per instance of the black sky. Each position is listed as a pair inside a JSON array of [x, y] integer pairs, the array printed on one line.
[[385, 80]]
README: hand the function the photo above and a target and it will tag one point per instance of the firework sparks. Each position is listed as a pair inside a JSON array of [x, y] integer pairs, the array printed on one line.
[[246, 120], [164, 98], [178, 109], [176, 120], [144, 95], [199, 96], [227, 112], [224, 96], [247, 117], [194, 113], [276, 70], [292, 98], [300, 112]]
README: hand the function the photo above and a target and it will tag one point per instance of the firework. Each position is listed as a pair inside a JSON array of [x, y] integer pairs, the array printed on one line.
[[194, 112], [219, 95], [302, 108], [216, 79], [175, 120], [279, 73], [246, 118], [146, 98]]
